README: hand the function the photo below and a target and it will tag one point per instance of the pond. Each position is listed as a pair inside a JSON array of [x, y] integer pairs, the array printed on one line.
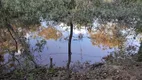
[[52, 41], [89, 44]]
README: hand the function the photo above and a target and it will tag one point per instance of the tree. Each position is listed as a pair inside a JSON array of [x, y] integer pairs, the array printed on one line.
[[71, 12], [28, 12], [15, 13]]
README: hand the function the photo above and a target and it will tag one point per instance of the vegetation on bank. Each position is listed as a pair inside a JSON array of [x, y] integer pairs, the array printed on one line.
[[120, 66], [25, 13]]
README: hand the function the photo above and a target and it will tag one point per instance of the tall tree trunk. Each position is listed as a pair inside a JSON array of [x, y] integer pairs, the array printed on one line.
[[69, 49]]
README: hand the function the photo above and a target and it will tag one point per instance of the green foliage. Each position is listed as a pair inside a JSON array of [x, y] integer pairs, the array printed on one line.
[[29, 12], [129, 1], [14, 11], [51, 70], [140, 53], [80, 11], [31, 77]]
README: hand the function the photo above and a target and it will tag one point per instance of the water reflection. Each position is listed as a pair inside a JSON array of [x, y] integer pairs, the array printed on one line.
[[52, 41], [108, 36], [50, 33], [86, 45]]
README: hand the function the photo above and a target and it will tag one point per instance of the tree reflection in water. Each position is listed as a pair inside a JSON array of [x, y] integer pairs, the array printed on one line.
[[108, 36], [50, 33]]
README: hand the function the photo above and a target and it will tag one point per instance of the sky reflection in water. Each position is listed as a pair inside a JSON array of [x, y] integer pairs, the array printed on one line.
[[57, 45]]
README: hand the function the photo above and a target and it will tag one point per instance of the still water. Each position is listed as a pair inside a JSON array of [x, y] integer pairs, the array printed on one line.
[[52, 41]]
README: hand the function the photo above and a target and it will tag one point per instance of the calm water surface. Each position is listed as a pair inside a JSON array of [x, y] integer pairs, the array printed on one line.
[[55, 45]]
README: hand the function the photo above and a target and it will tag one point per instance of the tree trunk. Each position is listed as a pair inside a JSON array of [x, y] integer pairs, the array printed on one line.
[[69, 49]]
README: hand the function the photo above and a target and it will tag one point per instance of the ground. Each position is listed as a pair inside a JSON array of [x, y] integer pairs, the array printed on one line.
[[114, 69]]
